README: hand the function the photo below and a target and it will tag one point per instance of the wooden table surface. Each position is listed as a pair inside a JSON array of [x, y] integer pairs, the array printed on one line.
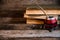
[[29, 33], [21, 30]]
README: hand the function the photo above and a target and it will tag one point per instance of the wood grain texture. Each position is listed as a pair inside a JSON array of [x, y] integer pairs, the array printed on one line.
[[34, 17], [38, 17], [29, 33], [30, 38], [23, 4], [32, 21], [48, 12]]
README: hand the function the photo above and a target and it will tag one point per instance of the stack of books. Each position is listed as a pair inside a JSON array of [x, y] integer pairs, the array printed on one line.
[[36, 16]]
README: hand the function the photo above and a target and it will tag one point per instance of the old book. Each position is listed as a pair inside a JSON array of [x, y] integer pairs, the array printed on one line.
[[37, 17], [34, 17], [48, 12], [34, 21]]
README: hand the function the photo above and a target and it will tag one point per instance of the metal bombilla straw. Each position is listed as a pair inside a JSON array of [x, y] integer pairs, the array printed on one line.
[[41, 9]]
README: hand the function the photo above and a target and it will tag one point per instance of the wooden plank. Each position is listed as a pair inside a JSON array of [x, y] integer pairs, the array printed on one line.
[[15, 27], [29, 38], [29, 33], [37, 17], [49, 12], [18, 27], [33, 21], [34, 17], [10, 20], [10, 5], [12, 13]]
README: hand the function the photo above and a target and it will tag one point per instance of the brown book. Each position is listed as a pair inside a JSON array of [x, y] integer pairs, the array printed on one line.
[[37, 17], [34, 17], [33, 21], [48, 12]]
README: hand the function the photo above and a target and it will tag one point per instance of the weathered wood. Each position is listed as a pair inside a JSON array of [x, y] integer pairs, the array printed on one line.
[[29, 38], [15, 27], [29, 33], [48, 12], [34, 17], [19, 27], [12, 13], [9, 20], [38, 17], [17, 21], [34, 21], [19, 5]]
